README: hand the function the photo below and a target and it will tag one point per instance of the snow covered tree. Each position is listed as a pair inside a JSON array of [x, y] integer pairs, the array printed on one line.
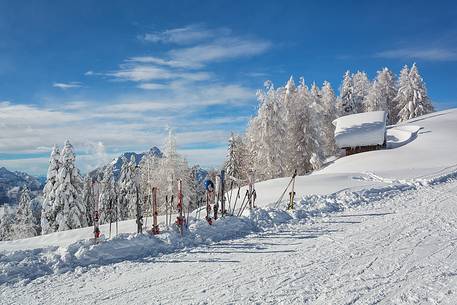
[[361, 87], [293, 117], [174, 167], [24, 226], [6, 224], [382, 94], [328, 103], [235, 164], [412, 97], [266, 133], [89, 199], [69, 206], [48, 212], [128, 189], [107, 195], [346, 103], [163, 173], [314, 140]]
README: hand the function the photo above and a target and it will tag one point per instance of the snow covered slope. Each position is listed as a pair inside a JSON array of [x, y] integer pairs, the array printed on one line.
[[377, 227], [434, 149]]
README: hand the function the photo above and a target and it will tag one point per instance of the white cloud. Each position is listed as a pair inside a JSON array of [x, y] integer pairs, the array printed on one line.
[[160, 61], [152, 86], [141, 73], [174, 90], [132, 121], [65, 86], [432, 54], [221, 49], [185, 35], [137, 72]]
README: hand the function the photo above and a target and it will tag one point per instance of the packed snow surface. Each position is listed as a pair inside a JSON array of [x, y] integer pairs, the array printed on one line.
[[372, 228], [361, 129]]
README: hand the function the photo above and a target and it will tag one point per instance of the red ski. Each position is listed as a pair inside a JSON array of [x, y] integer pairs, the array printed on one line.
[[180, 221], [155, 213]]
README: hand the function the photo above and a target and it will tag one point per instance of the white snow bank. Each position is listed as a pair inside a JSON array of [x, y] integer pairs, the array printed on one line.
[[401, 135], [361, 129], [25, 265]]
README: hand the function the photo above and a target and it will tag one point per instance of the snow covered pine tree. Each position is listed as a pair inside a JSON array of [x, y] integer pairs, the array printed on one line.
[[24, 226], [69, 206]]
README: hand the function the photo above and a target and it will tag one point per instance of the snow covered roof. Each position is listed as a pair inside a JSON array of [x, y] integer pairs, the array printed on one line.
[[361, 129]]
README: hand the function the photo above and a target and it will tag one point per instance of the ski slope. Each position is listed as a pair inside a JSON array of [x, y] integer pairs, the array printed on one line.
[[373, 228]]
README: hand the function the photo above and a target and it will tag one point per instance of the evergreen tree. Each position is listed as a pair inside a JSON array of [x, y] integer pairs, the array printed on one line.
[[107, 196], [129, 188], [328, 102], [361, 87], [413, 100], [24, 226], [89, 199], [48, 212], [314, 143], [266, 134], [294, 116], [6, 224], [235, 164], [382, 94], [70, 209], [346, 103]]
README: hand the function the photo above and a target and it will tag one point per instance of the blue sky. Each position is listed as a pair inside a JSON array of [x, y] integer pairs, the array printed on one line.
[[112, 76]]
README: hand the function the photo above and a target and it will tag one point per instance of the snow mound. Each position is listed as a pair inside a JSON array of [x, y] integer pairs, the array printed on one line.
[[401, 135], [23, 266]]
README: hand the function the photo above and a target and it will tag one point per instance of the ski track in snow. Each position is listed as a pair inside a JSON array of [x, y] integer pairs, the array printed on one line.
[[390, 245]]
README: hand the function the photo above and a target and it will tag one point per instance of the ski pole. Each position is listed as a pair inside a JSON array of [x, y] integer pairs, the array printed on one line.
[[230, 197], [197, 215], [292, 196], [282, 195], [249, 197], [242, 203], [236, 200]]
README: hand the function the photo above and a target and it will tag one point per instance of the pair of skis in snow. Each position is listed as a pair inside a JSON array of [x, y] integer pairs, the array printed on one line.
[[214, 196]]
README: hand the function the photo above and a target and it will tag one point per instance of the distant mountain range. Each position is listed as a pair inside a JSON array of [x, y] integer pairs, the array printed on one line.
[[118, 161], [11, 182]]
